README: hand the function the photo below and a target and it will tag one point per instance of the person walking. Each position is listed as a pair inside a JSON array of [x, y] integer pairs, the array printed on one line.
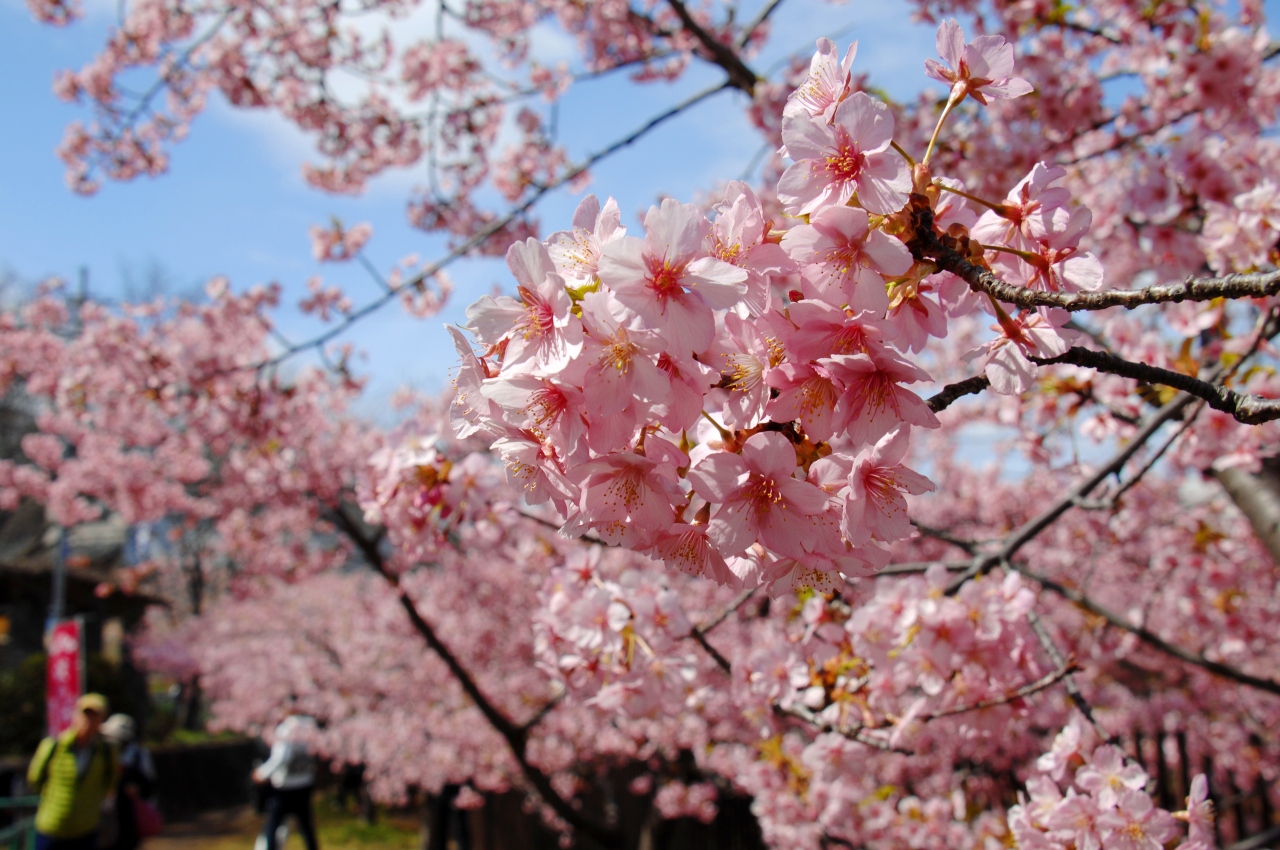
[[290, 776], [74, 773], [136, 785]]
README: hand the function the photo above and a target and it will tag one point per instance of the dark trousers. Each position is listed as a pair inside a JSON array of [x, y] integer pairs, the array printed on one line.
[[126, 824], [80, 842], [291, 801]]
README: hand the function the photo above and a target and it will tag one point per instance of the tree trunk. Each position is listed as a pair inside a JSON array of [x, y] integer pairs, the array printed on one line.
[[192, 719], [1258, 498]]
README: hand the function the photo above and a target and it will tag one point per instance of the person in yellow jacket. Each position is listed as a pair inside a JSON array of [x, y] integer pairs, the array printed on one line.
[[74, 772]]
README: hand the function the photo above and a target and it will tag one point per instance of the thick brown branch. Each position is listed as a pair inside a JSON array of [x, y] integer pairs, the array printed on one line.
[[928, 246], [1146, 635], [1245, 408], [740, 76], [951, 392], [515, 735]]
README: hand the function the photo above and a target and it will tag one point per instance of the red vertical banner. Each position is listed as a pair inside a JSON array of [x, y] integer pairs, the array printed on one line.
[[64, 673]]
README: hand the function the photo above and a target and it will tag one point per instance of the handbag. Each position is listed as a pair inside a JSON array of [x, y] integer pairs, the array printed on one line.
[[147, 818]]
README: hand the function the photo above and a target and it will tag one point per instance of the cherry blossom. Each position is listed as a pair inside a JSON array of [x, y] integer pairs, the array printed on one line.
[[851, 155], [980, 69], [757, 496]]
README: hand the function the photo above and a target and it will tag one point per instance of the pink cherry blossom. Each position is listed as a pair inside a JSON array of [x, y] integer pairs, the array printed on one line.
[[1107, 775], [1136, 824], [668, 281], [627, 499], [807, 393], [1004, 358], [576, 252], [872, 402], [746, 358], [980, 69], [850, 155], [757, 496], [687, 548], [878, 481], [540, 331], [845, 260], [828, 81], [1199, 815], [623, 358], [823, 330], [1027, 212], [1065, 746]]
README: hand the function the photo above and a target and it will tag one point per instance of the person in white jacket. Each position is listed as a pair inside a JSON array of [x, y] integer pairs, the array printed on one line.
[[290, 776]]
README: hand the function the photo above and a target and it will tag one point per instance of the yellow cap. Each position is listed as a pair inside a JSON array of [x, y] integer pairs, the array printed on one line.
[[92, 702]]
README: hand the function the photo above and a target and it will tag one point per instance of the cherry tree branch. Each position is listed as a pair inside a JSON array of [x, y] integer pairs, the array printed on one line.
[[1112, 499], [910, 568], [1257, 842], [738, 601], [1243, 407], [860, 735], [1146, 635], [1065, 668], [1033, 527], [701, 638], [495, 226], [740, 76], [758, 21], [515, 735], [952, 392], [541, 713], [699, 633], [944, 253], [1073, 690]]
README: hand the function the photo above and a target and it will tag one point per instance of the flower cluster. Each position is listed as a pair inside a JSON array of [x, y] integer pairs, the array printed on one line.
[[734, 398], [1105, 805]]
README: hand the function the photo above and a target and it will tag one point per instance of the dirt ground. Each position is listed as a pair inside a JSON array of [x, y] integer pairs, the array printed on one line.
[[235, 829]]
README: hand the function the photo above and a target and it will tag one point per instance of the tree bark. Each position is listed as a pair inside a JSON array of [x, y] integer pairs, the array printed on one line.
[[1258, 498]]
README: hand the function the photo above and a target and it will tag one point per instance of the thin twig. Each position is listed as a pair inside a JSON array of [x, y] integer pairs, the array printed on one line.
[[859, 735], [1146, 635], [484, 233], [541, 713], [586, 538], [738, 602], [756, 22], [1066, 668], [1029, 530], [1113, 499], [699, 633], [1073, 690]]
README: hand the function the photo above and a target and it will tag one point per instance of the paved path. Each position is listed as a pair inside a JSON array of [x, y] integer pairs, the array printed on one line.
[[229, 829]]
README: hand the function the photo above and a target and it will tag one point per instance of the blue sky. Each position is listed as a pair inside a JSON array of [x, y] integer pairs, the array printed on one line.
[[234, 202]]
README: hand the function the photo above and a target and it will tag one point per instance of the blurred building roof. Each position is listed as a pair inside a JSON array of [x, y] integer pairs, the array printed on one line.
[[29, 543]]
